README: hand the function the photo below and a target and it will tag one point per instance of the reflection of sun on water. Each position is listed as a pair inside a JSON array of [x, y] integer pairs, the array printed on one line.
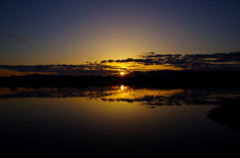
[[125, 92], [122, 87]]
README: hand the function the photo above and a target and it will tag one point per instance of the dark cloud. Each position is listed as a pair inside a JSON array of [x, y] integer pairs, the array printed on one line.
[[85, 69], [15, 38], [218, 61]]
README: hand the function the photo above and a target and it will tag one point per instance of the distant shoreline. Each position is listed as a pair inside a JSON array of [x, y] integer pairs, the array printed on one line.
[[168, 79]]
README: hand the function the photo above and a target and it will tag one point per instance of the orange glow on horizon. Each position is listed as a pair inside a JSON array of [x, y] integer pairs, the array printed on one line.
[[135, 66]]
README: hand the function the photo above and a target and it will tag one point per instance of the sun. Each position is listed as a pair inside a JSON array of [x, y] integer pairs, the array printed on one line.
[[122, 73]]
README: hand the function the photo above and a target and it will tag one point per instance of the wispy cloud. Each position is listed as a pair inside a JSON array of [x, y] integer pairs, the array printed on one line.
[[15, 38], [85, 69]]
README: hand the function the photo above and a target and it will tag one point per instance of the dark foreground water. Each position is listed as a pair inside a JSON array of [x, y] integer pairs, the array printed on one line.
[[117, 121]]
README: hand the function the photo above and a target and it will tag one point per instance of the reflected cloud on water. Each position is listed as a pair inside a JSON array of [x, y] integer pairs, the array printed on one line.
[[150, 97], [110, 119]]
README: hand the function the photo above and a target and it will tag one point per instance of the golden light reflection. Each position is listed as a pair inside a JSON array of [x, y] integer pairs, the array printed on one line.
[[122, 87], [125, 92]]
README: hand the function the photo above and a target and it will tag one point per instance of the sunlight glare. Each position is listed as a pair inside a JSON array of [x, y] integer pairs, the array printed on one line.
[[122, 73], [122, 87]]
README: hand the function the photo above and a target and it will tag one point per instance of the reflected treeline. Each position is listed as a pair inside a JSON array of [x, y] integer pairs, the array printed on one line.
[[150, 97]]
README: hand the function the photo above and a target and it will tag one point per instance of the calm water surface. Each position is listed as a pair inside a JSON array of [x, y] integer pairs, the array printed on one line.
[[115, 121]]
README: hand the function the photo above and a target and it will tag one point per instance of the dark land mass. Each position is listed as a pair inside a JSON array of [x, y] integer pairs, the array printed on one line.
[[227, 115], [158, 79]]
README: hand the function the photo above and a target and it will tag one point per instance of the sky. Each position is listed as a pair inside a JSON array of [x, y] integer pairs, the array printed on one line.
[[74, 32]]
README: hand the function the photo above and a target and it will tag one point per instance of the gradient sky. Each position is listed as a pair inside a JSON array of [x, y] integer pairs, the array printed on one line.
[[73, 32]]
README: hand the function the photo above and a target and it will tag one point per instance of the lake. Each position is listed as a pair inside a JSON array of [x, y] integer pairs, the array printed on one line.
[[115, 121]]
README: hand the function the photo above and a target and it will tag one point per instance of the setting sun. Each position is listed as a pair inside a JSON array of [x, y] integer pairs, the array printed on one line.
[[122, 73]]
